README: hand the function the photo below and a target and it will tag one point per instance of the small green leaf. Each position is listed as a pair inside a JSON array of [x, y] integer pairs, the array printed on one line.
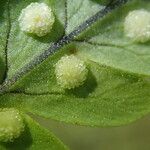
[[34, 138]]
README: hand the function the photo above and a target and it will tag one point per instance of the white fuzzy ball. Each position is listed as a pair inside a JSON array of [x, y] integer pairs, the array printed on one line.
[[11, 124], [36, 18], [137, 25], [70, 72]]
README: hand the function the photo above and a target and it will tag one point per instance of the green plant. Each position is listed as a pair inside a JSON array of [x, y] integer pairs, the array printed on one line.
[[116, 91]]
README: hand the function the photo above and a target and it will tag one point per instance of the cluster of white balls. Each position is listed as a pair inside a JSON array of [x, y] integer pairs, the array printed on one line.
[[11, 124], [70, 72], [36, 18], [137, 25]]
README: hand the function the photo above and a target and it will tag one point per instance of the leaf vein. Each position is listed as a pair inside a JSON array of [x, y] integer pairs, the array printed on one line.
[[7, 40]]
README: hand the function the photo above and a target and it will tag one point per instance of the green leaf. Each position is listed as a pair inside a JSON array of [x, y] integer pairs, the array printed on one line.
[[110, 97], [115, 92], [34, 137], [108, 44], [22, 52]]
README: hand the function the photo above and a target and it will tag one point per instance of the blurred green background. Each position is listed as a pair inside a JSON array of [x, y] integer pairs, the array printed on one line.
[[135, 136]]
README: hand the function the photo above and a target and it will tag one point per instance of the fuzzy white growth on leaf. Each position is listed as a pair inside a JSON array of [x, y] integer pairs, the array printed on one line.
[[36, 18], [70, 72], [137, 25], [11, 124]]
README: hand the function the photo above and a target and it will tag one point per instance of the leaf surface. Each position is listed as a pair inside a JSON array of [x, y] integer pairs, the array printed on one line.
[[4, 30], [107, 44], [34, 137], [117, 89], [29, 46]]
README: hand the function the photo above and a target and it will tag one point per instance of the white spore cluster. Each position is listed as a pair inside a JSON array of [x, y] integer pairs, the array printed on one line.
[[36, 18], [137, 25], [70, 72]]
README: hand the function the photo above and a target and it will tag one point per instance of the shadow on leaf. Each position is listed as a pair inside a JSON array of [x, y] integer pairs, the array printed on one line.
[[84, 90], [21, 143], [53, 35]]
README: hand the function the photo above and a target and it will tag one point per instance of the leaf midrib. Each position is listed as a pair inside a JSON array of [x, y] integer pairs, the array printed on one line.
[[7, 40]]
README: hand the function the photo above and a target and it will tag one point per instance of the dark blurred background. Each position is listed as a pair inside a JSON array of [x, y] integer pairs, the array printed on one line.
[[135, 136]]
